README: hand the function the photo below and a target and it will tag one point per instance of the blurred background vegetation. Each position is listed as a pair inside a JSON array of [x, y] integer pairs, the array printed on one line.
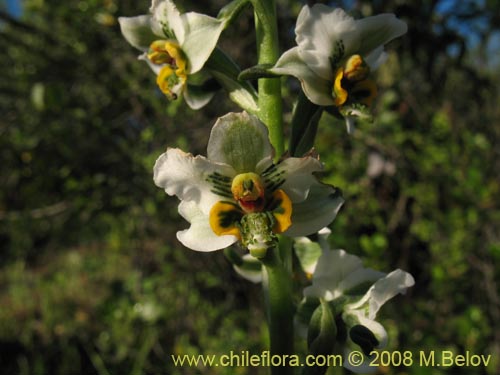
[[92, 280]]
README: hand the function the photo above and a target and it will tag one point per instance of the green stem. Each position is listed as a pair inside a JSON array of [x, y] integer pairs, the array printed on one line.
[[280, 308], [270, 104], [277, 282]]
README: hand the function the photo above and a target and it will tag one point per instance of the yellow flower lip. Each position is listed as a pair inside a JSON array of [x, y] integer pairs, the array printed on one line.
[[356, 69], [351, 83], [173, 75], [248, 190], [170, 81]]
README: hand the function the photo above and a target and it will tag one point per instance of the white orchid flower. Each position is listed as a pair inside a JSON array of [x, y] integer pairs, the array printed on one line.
[[356, 294], [175, 46], [335, 55], [238, 193]]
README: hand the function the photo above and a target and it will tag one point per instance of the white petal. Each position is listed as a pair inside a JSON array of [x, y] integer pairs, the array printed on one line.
[[254, 273], [324, 35], [317, 211], [197, 99], [383, 290], [379, 30], [318, 90], [362, 368], [298, 176], [333, 267], [380, 333], [323, 235], [137, 31], [362, 276], [375, 327], [308, 253], [154, 67], [187, 177], [202, 34], [166, 14], [376, 58], [199, 236], [239, 140]]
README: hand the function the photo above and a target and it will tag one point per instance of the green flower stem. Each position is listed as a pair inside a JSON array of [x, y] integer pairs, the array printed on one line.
[[280, 308], [270, 104]]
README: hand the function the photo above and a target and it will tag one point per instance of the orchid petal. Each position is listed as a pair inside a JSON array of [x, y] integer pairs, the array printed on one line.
[[239, 140], [197, 98], [137, 31], [192, 178], [316, 88], [333, 266], [169, 19], [379, 30], [324, 37], [202, 34], [375, 327], [199, 236], [317, 211], [250, 269], [376, 58], [298, 176], [308, 253], [383, 290]]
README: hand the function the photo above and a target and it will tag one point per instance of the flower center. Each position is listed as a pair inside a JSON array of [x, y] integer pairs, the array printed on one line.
[[173, 75], [352, 83], [248, 190]]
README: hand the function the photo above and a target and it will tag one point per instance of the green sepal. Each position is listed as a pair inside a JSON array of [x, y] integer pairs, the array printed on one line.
[[226, 72], [231, 11], [321, 336]]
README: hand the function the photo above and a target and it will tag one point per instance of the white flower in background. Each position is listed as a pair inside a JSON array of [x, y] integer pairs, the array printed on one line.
[[238, 193], [175, 46], [356, 294], [335, 55]]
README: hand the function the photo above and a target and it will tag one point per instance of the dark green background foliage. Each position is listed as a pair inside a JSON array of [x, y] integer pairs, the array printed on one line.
[[92, 279]]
